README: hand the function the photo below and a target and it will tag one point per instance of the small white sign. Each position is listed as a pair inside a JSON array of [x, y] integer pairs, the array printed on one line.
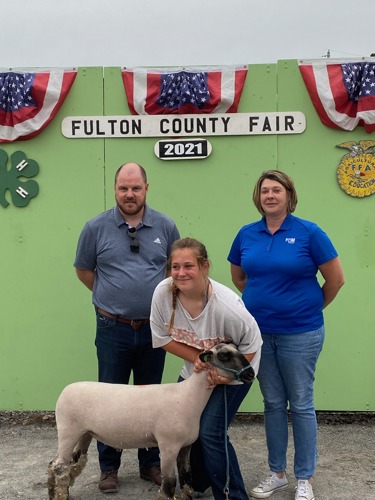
[[90, 127], [182, 149]]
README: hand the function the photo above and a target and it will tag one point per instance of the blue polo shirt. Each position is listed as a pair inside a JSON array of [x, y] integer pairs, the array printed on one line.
[[282, 290]]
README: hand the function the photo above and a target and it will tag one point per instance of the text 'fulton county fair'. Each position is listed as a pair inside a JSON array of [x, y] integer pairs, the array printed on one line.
[[183, 125]]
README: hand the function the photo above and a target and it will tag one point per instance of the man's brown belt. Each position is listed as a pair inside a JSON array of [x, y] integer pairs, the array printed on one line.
[[134, 323]]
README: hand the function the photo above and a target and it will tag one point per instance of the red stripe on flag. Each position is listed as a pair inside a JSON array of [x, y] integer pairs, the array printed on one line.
[[308, 76], [128, 81]]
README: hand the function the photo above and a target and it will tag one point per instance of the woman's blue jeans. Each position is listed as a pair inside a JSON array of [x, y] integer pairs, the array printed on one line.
[[287, 374], [121, 350], [213, 452]]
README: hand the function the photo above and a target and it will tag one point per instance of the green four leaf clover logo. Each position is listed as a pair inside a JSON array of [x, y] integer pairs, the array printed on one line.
[[21, 191]]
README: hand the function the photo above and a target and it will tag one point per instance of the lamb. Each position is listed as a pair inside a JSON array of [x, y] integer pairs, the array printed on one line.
[[127, 416]]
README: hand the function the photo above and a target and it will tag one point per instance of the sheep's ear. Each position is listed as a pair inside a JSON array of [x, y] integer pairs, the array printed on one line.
[[205, 356]]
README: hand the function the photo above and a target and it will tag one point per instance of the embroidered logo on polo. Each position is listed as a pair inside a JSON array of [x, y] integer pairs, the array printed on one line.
[[291, 241], [157, 241]]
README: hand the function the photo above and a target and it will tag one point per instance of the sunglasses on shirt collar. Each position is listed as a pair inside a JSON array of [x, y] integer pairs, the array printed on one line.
[[134, 241]]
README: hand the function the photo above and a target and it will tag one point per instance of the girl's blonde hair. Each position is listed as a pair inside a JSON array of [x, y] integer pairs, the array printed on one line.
[[200, 253]]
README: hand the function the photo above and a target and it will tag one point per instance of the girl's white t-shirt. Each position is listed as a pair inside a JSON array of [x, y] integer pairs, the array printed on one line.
[[224, 318]]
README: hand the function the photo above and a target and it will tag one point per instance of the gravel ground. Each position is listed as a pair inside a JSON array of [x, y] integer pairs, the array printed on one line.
[[346, 468]]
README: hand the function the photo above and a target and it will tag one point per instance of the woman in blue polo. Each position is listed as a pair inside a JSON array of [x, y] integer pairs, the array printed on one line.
[[274, 263]]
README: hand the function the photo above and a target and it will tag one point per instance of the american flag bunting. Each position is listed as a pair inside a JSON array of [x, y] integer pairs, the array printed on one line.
[[30, 99], [184, 90], [342, 92]]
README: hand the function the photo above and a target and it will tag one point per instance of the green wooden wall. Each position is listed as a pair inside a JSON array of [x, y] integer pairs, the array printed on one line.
[[47, 326]]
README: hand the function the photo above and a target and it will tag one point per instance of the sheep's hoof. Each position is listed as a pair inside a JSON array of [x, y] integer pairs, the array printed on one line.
[[186, 492], [163, 496]]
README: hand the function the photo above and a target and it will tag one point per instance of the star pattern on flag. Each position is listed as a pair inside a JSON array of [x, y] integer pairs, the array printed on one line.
[[182, 88], [359, 79], [15, 91]]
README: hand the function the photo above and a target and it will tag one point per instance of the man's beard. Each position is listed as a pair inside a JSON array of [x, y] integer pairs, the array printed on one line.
[[137, 209]]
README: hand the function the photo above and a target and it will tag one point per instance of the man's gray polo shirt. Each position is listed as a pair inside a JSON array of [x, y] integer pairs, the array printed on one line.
[[125, 281]]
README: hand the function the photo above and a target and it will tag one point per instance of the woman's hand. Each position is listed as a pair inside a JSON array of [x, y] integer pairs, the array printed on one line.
[[333, 275]]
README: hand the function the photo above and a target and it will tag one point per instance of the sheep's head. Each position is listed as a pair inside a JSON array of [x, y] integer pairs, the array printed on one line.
[[228, 359]]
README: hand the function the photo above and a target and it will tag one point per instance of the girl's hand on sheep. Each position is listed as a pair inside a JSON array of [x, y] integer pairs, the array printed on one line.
[[215, 379], [200, 366]]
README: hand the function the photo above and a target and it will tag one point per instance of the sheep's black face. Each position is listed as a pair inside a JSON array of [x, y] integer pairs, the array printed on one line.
[[227, 358]]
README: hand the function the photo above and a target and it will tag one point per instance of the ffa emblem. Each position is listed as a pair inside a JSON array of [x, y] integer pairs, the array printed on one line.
[[356, 172]]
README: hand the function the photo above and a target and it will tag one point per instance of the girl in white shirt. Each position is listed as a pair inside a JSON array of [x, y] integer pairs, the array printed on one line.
[[190, 313]]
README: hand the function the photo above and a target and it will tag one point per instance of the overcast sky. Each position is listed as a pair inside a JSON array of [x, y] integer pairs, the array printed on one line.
[[45, 33]]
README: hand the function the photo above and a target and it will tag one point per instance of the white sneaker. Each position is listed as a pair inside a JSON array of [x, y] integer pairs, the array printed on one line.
[[304, 490], [269, 485]]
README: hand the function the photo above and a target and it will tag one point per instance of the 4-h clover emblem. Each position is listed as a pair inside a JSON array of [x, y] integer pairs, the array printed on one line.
[[22, 191]]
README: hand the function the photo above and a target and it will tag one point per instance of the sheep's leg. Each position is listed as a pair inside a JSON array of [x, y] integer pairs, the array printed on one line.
[[168, 457], [167, 489], [68, 464], [51, 483], [184, 473], [58, 481], [79, 457]]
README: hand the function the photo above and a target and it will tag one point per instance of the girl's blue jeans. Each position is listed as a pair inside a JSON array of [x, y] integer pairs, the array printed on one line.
[[212, 455]]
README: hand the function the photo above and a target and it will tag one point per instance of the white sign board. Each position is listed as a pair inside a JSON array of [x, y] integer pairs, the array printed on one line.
[[91, 127]]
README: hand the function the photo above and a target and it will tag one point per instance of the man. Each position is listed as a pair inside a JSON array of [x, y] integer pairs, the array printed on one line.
[[121, 256]]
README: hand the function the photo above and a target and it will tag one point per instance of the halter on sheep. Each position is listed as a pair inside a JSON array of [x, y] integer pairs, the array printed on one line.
[[127, 416]]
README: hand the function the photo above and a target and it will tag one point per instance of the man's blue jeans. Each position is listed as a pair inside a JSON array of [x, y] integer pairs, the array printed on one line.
[[287, 374], [209, 458], [121, 350]]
